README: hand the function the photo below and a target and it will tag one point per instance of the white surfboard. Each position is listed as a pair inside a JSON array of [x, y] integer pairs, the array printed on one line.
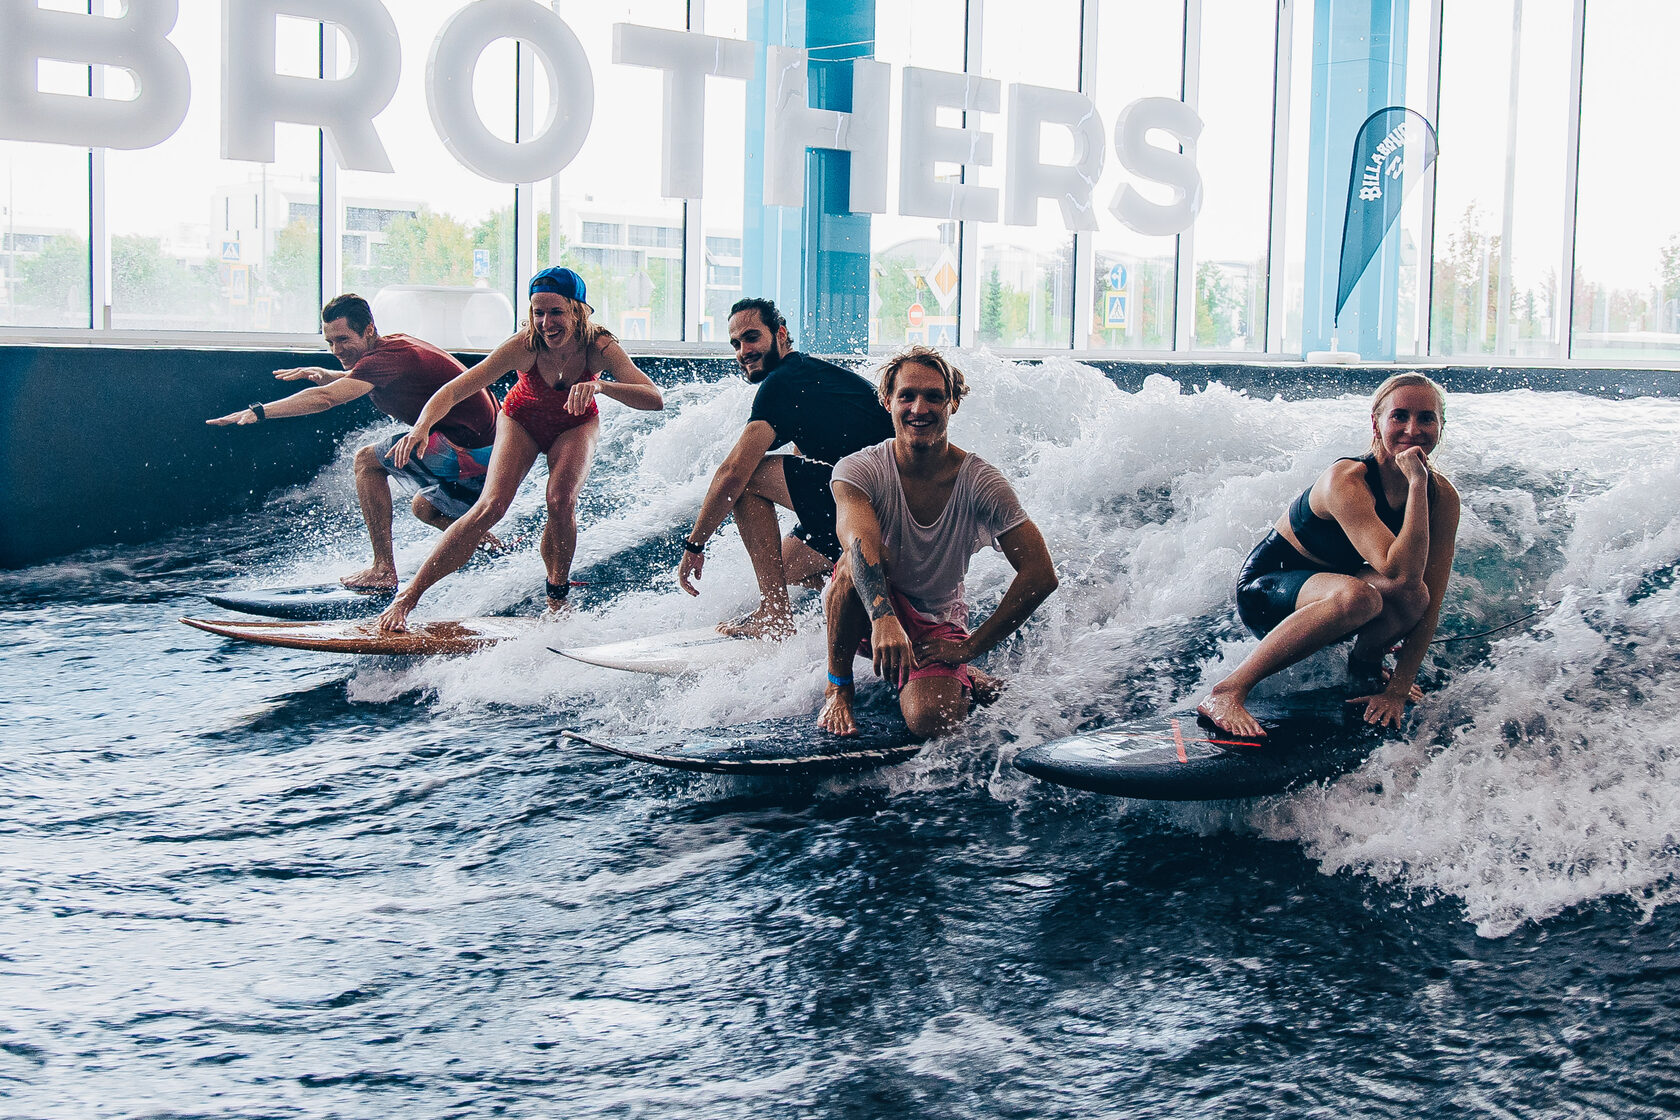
[[672, 654]]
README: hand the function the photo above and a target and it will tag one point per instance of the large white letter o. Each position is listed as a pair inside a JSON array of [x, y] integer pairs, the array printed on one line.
[[449, 92]]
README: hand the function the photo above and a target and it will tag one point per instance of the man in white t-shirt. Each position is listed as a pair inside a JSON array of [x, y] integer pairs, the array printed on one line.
[[912, 511]]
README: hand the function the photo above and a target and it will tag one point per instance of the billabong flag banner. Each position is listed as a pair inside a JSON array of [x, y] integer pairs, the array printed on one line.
[[1394, 148]]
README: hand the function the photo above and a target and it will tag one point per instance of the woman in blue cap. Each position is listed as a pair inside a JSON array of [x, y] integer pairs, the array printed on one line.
[[551, 411]]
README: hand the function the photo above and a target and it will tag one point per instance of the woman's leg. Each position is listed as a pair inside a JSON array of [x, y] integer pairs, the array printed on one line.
[[1403, 604], [568, 468], [510, 462], [1330, 606]]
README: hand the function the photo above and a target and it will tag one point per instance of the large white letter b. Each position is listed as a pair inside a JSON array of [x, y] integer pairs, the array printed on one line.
[[134, 42]]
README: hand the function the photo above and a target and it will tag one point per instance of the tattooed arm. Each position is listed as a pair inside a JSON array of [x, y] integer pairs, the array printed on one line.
[[860, 537]]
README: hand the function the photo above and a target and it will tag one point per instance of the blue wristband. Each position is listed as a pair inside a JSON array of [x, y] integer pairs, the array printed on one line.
[[839, 682]]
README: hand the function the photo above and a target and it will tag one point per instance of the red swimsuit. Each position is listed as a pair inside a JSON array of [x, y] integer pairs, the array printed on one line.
[[541, 409]]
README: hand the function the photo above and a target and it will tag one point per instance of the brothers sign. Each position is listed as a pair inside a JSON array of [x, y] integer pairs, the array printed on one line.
[[256, 97]]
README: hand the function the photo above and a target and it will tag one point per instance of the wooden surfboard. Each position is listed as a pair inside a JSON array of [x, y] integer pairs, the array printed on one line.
[[344, 636]]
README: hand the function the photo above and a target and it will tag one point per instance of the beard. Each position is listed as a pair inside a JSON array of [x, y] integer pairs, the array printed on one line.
[[767, 363]]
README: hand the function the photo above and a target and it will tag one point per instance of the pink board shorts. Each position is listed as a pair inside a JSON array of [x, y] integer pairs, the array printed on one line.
[[921, 630]]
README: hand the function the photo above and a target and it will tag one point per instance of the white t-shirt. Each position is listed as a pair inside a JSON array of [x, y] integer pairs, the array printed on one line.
[[926, 563]]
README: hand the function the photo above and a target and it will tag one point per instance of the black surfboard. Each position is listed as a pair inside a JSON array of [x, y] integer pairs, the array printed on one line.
[[316, 603], [790, 745], [1310, 737]]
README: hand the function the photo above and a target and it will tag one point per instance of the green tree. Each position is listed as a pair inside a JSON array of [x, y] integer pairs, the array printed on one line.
[[55, 286], [429, 248], [1216, 307], [162, 288], [292, 274], [895, 291], [992, 321]]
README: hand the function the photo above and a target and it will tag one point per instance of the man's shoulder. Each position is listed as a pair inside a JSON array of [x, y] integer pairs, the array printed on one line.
[[797, 363], [399, 353]]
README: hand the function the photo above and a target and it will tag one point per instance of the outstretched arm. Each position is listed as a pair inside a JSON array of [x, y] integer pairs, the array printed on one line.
[[728, 484], [1035, 578], [316, 398]]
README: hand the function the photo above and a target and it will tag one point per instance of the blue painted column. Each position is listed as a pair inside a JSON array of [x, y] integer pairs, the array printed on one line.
[[814, 261], [1358, 67]]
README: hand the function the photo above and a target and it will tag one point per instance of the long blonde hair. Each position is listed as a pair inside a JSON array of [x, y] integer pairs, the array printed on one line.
[[1404, 381]]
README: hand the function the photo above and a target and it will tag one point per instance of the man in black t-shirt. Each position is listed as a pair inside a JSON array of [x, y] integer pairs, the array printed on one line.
[[827, 413]]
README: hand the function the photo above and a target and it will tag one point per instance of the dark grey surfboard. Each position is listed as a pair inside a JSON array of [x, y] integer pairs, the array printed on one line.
[[317, 603], [791, 745], [1310, 737]]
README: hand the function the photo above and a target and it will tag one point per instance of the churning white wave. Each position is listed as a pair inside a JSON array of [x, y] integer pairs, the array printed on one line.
[[1540, 774]]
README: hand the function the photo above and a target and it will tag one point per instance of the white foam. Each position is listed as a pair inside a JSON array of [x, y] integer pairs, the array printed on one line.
[[1539, 779]]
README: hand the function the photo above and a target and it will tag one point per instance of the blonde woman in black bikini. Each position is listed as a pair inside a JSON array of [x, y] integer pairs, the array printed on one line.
[[1364, 551]]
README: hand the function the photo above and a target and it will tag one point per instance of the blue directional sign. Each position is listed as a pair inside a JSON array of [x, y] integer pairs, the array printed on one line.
[[1117, 277]]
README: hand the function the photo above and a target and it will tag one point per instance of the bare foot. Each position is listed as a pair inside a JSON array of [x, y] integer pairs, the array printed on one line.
[[986, 688], [836, 715], [371, 579], [1362, 672], [1224, 709], [767, 624], [395, 618]]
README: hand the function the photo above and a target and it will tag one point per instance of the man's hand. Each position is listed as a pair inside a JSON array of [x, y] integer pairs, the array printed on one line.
[[693, 563], [945, 650], [243, 416], [890, 645], [315, 375]]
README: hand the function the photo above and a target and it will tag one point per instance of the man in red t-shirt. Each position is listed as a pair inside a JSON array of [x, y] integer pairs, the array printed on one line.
[[398, 374]]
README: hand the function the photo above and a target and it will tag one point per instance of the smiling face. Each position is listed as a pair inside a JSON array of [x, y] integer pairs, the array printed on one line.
[[553, 319], [757, 348], [346, 345], [921, 407], [1409, 416]]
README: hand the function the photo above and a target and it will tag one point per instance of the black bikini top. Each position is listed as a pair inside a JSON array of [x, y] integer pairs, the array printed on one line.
[[1325, 538]]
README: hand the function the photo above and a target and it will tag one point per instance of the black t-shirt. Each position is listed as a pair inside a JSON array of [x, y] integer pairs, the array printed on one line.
[[827, 411]]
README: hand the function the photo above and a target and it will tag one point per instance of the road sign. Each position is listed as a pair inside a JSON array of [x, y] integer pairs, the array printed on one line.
[[230, 250], [918, 316], [942, 278], [481, 264], [1114, 311], [1117, 277]]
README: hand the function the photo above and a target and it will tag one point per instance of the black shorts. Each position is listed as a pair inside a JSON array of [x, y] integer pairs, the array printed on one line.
[[813, 503], [1270, 582]]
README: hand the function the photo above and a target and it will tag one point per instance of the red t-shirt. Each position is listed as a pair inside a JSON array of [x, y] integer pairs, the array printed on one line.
[[405, 372]]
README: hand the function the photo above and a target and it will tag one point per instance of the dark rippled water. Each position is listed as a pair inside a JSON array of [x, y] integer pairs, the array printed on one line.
[[244, 882]]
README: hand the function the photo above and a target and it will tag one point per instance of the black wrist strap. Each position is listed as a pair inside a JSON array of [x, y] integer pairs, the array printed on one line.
[[697, 549], [257, 410]]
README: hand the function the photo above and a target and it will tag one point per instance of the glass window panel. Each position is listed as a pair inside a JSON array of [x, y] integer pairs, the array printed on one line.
[[45, 264], [1140, 53], [721, 210], [1026, 272], [1233, 155], [1627, 248], [431, 244], [613, 184], [206, 244], [1288, 302], [914, 262], [1499, 200]]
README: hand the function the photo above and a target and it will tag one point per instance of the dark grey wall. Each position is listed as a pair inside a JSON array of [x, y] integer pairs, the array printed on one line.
[[104, 445]]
